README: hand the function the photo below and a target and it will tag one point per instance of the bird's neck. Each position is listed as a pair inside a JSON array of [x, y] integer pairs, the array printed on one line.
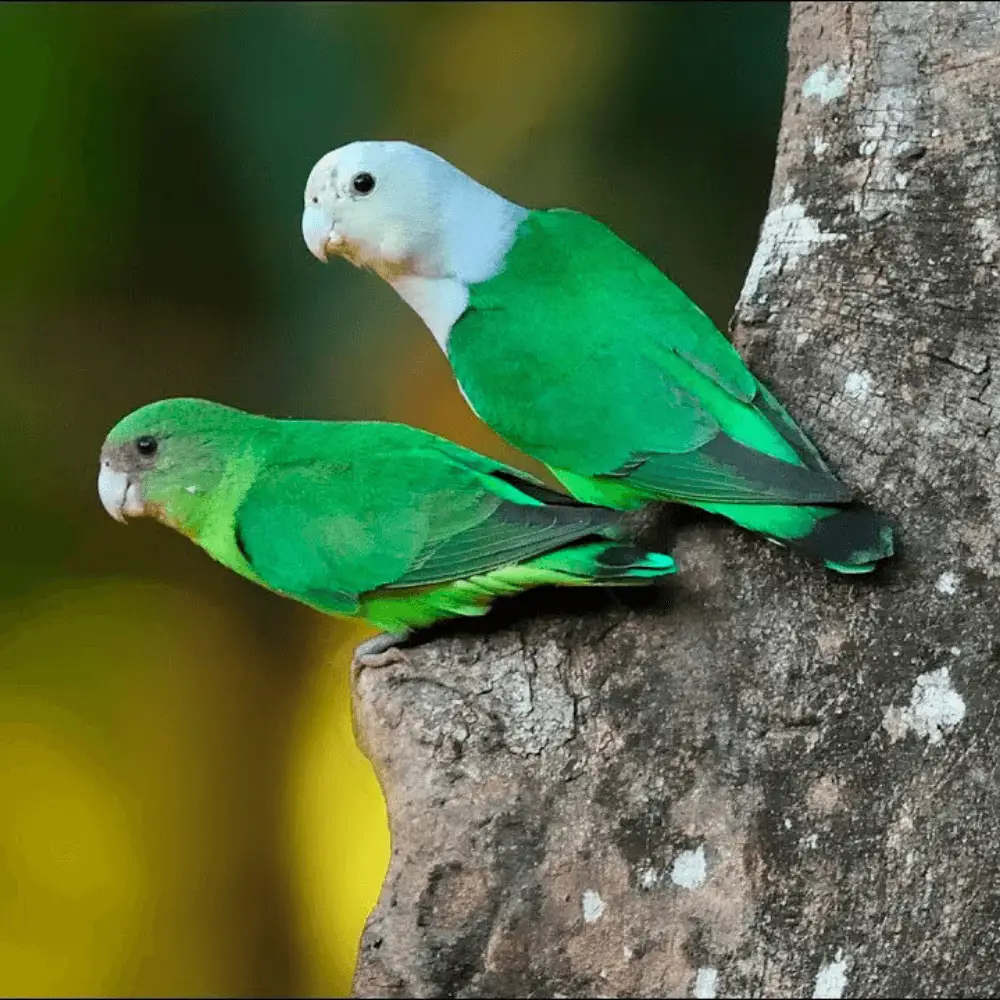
[[478, 228], [437, 301], [203, 504]]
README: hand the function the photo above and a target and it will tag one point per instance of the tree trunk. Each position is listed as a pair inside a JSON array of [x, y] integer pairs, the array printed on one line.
[[782, 782]]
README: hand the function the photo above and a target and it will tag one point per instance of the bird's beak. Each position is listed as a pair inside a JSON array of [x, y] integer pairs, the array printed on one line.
[[119, 494], [317, 231]]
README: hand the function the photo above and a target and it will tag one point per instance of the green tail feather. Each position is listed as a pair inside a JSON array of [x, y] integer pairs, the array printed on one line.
[[600, 564], [846, 539], [590, 564]]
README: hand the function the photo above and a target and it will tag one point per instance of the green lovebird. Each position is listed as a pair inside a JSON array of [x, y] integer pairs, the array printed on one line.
[[582, 353], [377, 521]]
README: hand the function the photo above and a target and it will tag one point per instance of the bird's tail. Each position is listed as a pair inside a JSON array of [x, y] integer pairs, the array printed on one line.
[[586, 563], [582, 564], [848, 539], [601, 564]]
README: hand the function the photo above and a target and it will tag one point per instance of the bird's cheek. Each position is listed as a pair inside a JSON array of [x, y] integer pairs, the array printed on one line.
[[395, 246]]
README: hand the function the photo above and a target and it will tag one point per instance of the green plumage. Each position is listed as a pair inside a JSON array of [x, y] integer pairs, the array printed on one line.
[[371, 520], [583, 354]]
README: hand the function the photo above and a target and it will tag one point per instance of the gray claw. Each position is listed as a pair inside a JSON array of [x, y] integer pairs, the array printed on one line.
[[380, 651]]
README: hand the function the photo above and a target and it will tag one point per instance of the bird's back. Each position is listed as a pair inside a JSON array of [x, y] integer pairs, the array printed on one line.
[[582, 353]]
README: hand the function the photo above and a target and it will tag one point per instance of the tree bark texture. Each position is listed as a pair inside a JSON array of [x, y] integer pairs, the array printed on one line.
[[781, 783]]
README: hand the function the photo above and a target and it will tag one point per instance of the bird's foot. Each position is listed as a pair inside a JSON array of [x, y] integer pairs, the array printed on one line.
[[379, 651]]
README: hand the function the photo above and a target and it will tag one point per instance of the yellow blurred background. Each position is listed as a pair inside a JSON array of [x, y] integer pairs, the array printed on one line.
[[183, 809]]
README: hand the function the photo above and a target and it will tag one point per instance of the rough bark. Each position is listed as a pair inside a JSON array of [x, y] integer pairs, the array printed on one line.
[[784, 783]]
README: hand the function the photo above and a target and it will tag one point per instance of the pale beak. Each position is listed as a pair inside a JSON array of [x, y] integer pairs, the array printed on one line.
[[119, 495], [317, 231]]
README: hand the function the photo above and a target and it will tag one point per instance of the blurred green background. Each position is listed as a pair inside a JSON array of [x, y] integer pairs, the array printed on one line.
[[182, 806]]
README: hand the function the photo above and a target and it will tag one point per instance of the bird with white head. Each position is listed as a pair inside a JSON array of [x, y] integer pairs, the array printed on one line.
[[579, 351], [421, 224]]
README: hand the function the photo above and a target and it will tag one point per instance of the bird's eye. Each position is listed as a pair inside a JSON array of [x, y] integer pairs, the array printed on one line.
[[145, 445], [363, 183]]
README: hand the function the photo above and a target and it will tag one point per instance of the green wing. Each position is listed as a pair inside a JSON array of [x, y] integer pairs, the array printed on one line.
[[386, 519], [583, 354]]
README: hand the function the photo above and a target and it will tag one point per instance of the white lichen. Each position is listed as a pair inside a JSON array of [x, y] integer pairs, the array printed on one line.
[[689, 868], [831, 980], [648, 877], [988, 233], [935, 709], [788, 234], [859, 386], [947, 583], [827, 85], [593, 906], [705, 982]]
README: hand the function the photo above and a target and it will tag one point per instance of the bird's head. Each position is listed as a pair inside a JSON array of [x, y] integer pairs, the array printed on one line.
[[163, 459], [377, 205], [401, 210]]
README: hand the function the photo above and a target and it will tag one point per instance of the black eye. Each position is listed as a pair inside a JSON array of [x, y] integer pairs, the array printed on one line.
[[145, 445], [363, 183], [315, 199]]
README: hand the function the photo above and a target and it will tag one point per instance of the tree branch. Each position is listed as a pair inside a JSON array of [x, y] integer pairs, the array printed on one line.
[[777, 782]]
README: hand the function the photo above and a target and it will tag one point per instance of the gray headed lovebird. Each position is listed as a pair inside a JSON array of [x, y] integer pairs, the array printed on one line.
[[376, 521], [580, 352]]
